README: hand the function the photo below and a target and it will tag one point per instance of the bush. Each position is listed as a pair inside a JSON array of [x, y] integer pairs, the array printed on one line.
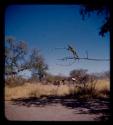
[[80, 75], [14, 81], [85, 88]]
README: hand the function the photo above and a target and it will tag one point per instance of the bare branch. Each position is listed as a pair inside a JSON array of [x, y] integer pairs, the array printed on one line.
[[76, 57], [92, 59], [61, 48]]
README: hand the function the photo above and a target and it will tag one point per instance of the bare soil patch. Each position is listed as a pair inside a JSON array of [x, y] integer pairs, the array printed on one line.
[[57, 109]]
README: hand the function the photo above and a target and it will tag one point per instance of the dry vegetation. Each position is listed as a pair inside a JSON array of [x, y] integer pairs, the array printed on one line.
[[100, 89]]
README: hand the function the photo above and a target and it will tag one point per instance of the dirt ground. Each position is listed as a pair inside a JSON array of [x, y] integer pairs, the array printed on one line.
[[56, 109]]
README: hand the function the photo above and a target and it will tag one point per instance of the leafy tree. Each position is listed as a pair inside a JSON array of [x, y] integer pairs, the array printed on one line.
[[100, 7], [15, 52], [37, 64], [17, 59]]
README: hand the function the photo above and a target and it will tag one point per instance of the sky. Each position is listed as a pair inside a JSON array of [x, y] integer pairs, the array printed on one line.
[[47, 27]]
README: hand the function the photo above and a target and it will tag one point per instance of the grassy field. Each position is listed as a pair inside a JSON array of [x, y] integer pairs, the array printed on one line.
[[100, 89]]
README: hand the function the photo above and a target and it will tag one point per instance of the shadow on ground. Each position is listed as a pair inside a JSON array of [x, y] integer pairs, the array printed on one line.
[[92, 106]]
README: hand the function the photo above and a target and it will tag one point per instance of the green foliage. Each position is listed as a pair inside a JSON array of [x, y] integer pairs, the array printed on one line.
[[100, 7]]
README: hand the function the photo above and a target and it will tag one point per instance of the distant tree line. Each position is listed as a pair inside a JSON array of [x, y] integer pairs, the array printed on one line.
[[82, 72]]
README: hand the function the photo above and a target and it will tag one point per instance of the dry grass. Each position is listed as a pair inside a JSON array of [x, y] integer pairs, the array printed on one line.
[[102, 84], [38, 90]]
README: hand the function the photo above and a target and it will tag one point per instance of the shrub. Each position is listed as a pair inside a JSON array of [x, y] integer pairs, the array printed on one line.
[[14, 81]]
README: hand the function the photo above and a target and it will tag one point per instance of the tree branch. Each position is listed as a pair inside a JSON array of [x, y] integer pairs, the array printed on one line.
[[92, 59], [75, 57]]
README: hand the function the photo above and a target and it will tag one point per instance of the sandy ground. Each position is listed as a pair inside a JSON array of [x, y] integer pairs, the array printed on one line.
[[49, 112]]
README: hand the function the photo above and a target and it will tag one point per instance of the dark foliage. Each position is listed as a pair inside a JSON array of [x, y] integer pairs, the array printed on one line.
[[100, 7]]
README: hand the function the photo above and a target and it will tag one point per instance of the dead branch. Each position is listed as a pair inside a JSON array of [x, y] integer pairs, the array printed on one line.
[[92, 59], [75, 55]]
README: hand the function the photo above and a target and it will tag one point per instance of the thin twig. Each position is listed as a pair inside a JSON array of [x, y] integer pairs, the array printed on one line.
[[61, 48]]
